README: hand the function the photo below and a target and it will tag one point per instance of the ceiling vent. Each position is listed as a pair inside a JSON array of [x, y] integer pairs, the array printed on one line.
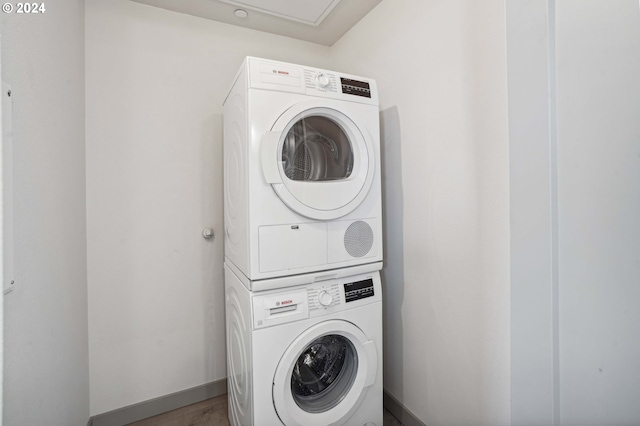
[[310, 12]]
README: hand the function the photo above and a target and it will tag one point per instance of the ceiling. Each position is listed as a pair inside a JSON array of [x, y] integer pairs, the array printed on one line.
[[317, 21]]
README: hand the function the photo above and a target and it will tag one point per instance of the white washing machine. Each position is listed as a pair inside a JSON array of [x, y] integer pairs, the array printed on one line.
[[309, 355], [302, 170]]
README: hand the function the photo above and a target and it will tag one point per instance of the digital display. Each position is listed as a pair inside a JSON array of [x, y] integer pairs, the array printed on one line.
[[355, 87], [358, 290]]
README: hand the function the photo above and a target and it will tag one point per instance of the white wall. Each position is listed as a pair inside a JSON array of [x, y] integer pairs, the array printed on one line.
[[46, 375], [3, 219], [598, 104], [532, 147], [573, 108], [441, 71], [155, 83]]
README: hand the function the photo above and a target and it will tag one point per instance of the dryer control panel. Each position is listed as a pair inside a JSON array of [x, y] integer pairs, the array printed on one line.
[[321, 81], [355, 87], [284, 77]]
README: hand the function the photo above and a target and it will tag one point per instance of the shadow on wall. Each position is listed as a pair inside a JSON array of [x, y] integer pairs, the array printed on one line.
[[211, 156], [393, 250]]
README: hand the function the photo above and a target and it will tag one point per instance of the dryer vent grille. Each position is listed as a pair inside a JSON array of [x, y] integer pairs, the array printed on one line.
[[358, 239]]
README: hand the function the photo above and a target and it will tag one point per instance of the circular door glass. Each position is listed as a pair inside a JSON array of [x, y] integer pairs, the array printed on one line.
[[316, 148], [324, 373]]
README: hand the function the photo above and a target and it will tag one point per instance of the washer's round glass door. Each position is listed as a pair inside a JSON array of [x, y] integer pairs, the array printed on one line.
[[324, 374], [318, 161]]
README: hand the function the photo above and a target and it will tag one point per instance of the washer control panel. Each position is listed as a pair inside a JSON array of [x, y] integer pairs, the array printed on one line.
[[324, 296], [343, 293], [329, 293], [358, 290]]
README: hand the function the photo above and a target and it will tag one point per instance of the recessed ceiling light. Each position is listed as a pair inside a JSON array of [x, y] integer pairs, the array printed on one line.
[[310, 12], [240, 13]]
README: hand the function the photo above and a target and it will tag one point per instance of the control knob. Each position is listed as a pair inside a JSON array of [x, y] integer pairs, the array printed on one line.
[[325, 298], [323, 80]]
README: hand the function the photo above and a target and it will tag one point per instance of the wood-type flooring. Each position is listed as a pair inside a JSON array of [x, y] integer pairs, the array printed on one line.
[[212, 412]]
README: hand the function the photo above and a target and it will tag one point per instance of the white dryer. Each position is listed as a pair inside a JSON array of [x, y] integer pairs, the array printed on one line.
[[302, 170], [309, 355]]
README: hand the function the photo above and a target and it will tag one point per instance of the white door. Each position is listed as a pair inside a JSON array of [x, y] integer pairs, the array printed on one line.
[[318, 161], [324, 375]]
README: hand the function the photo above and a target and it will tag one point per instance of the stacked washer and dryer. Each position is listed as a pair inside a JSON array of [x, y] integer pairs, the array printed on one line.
[[303, 247]]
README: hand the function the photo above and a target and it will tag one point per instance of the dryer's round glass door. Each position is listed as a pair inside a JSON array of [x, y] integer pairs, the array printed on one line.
[[316, 148], [323, 373], [319, 161]]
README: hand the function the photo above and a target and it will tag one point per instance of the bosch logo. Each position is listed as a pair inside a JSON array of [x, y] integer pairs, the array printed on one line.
[[286, 302], [281, 72]]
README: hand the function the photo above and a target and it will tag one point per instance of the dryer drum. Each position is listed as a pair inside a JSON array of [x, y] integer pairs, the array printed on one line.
[[317, 149], [324, 373]]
